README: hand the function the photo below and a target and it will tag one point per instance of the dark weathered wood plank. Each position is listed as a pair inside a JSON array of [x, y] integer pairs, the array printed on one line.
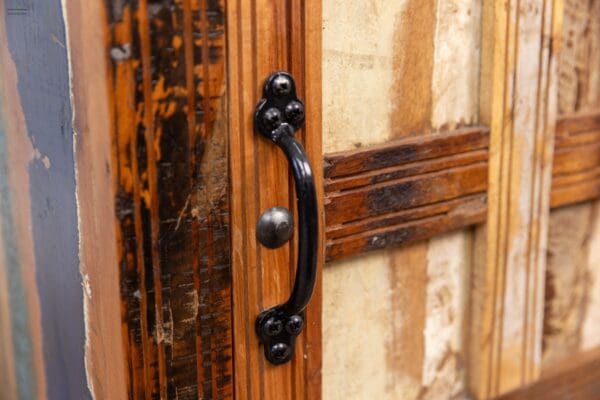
[[404, 191], [168, 68], [405, 150]]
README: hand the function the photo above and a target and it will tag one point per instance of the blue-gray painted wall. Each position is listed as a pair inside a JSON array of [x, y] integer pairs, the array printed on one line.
[[37, 44]]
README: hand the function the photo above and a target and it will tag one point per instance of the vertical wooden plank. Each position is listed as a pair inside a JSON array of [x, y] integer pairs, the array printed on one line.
[[265, 36], [105, 353], [521, 42], [170, 152]]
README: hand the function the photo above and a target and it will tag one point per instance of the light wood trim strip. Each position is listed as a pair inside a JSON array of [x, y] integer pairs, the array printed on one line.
[[519, 88]]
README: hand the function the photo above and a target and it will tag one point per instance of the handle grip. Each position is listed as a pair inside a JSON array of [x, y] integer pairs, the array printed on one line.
[[278, 116]]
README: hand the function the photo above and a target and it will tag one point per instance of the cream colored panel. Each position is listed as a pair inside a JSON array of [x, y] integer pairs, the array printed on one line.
[[393, 321], [358, 43], [448, 268]]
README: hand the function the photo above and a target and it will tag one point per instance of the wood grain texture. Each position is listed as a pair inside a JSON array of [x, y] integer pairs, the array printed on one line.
[[415, 188], [577, 378], [571, 323], [266, 36], [104, 351], [404, 191], [411, 317], [576, 169], [169, 149], [521, 44]]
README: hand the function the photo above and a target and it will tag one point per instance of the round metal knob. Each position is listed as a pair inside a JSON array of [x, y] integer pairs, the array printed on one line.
[[275, 227]]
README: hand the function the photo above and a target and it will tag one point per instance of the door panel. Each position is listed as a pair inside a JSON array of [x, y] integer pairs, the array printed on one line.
[[406, 75]]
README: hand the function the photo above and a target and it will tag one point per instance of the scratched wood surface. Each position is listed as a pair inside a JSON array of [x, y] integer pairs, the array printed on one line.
[[383, 196], [577, 377], [396, 70], [521, 41], [571, 321], [168, 101], [266, 36]]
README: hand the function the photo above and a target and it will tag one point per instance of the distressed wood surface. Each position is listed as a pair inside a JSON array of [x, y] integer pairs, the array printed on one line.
[[383, 195], [266, 36], [576, 169], [571, 322], [104, 350], [411, 299], [521, 42], [169, 118], [576, 378]]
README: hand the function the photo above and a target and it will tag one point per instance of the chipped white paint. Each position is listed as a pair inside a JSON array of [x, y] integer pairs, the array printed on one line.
[[455, 81], [358, 42], [448, 267]]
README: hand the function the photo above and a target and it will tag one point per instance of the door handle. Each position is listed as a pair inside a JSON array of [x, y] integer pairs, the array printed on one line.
[[279, 114]]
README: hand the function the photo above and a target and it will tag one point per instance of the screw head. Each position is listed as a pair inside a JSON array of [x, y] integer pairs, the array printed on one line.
[[294, 325], [281, 85], [272, 327], [272, 118], [280, 352], [294, 112]]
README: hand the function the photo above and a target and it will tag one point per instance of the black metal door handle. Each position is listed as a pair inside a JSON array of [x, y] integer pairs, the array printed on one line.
[[278, 115]]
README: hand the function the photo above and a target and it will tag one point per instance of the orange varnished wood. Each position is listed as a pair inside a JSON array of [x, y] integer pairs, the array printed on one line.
[[172, 208], [265, 36], [576, 169]]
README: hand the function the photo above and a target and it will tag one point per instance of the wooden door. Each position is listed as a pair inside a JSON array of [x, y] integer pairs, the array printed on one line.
[[455, 151]]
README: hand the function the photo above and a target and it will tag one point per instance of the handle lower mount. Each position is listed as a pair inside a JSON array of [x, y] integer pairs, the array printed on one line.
[[278, 115]]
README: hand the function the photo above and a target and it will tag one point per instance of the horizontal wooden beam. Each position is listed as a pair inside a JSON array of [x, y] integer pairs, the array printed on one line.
[[412, 189], [576, 172], [405, 191]]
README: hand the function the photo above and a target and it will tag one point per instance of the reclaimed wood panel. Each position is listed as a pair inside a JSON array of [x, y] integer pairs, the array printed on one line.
[[265, 36], [404, 191], [393, 87], [168, 96], [571, 322], [415, 188], [521, 43], [575, 378], [576, 170]]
